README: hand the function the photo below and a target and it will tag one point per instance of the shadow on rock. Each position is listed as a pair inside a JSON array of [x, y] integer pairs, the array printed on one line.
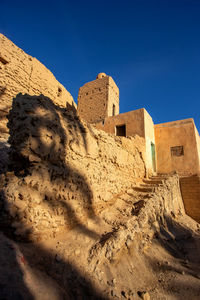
[[176, 260], [43, 193]]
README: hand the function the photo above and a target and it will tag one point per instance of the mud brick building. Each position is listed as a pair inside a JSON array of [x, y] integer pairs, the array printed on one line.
[[168, 147]]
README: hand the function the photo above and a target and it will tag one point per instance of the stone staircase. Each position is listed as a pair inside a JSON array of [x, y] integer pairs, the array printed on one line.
[[130, 202], [149, 185]]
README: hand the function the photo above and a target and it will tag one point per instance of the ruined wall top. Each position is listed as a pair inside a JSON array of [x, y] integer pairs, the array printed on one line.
[[22, 73]]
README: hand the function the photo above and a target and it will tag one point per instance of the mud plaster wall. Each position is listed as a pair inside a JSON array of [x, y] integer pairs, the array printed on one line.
[[22, 73], [96, 99], [65, 170], [137, 122], [149, 138], [190, 190], [198, 143], [172, 134], [134, 121]]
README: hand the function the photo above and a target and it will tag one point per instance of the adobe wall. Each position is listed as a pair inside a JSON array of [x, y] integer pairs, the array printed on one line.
[[113, 97], [173, 134], [134, 121], [149, 139], [96, 99], [190, 190], [22, 73], [138, 122], [197, 141], [65, 170]]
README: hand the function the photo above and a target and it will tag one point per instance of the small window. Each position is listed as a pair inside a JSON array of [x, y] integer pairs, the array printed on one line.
[[59, 92], [177, 151], [113, 110], [120, 130], [3, 61], [86, 94]]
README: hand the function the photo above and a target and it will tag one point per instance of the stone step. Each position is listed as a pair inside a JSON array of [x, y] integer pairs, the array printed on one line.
[[153, 181], [149, 185], [144, 189], [158, 178]]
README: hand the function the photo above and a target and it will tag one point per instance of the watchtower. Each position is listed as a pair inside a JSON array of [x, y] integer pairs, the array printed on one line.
[[98, 99]]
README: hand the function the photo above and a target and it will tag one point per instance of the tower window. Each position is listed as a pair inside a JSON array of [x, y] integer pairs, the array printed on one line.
[[113, 110], [120, 130], [59, 92]]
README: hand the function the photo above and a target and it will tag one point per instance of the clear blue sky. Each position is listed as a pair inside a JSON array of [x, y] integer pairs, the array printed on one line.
[[150, 48]]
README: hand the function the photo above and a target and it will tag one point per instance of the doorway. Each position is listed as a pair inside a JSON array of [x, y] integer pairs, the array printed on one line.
[[153, 156]]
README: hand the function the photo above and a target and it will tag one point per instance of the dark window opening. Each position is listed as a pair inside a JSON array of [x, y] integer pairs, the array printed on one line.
[[3, 61], [121, 130], [177, 151], [113, 110], [59, 92]]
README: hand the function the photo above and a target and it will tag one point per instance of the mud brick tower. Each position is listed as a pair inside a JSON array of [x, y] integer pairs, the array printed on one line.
[[98, 99]]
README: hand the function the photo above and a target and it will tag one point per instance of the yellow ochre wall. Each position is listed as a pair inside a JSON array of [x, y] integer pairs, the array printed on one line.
[[172, 134], [138, 122], [149, 139], [134, 121]]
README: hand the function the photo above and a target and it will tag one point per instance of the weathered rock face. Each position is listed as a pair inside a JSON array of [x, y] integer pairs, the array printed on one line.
[[22, 73], [65, 170]]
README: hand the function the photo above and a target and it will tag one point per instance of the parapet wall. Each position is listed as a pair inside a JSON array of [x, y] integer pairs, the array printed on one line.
[[190, 190], [64, 171], [22, 73]]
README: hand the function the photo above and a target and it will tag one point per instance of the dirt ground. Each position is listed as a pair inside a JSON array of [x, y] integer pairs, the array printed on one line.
[[164, 267]]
